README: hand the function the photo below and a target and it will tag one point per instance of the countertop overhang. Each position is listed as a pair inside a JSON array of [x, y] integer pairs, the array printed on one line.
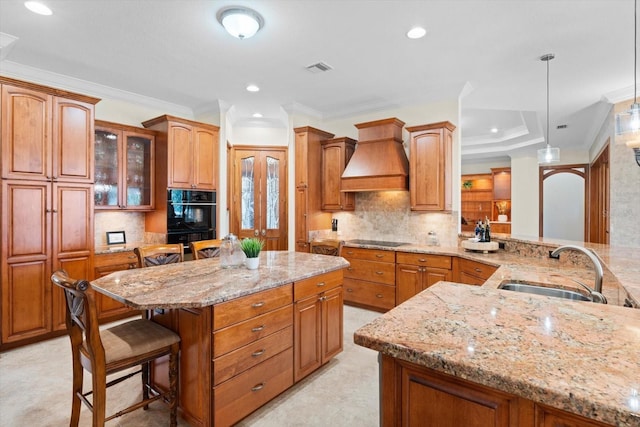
[[580, 357]]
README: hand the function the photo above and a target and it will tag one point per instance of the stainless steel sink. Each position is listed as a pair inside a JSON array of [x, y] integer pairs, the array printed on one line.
[[539, 289]]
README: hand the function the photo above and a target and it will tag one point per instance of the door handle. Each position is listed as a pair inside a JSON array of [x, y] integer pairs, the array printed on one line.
[[264, 232], [256, 233]]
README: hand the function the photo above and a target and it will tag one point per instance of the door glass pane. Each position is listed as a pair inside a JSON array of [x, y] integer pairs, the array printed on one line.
[[273, 193], [247, 192], [138, 171], [106, 180]]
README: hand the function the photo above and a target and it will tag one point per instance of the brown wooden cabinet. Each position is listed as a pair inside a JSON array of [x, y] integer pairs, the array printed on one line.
[[476, 199], [473, 272], [308, 169], [318, 322], [416, 272], [430, 162], [107, 263], [370, 280], [47, 204], [124, 167], [336, 153], [501, 202], [186, 154]]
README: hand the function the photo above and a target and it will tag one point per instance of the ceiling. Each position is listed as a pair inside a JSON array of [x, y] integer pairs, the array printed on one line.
[[484, 51]]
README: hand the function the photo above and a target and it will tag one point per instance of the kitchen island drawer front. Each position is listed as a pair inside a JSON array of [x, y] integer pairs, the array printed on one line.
[[369, 294], [246, 357], [116, 261], [368, 254], [380, 272], [236, 336], [237, 310], [317, 284], [435, 261], [476, 269], [238, 397]]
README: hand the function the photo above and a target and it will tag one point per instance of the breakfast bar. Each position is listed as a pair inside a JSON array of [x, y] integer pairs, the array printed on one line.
[[246, 335]]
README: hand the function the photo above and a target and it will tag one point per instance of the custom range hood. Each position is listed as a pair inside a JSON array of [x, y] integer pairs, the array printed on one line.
[[379, 161]]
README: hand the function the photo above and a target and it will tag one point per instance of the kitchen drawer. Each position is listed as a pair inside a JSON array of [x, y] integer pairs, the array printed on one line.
[[374, 295], [238, 361], [368, 254], [315, 285], [381, 272], [244, 393], [237, 310], [251, 330], [435, 261], [477, 269], [115, 261]]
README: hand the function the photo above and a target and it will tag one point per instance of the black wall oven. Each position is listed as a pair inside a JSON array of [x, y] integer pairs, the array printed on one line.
[[191, 216]]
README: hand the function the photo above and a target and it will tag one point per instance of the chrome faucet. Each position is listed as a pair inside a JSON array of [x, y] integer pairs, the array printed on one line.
[[597, 267]]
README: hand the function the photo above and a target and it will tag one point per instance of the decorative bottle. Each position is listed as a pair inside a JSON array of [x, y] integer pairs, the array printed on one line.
[[487, 232]]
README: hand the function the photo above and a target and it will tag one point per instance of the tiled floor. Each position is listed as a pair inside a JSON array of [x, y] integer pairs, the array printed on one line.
[[35, 389]]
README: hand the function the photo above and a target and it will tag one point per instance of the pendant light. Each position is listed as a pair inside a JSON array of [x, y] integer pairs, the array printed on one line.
[[548, 154]]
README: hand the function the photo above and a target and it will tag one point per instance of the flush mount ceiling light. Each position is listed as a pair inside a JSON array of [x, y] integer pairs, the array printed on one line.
[[240, 22], [548, 154], [494, 130], [257, 115], [253, 88], [628, 122], [416, 33], [37, 7]]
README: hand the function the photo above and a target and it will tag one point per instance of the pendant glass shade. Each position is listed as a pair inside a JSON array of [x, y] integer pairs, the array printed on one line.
[[628, 121], [240, 22], [548, 155]]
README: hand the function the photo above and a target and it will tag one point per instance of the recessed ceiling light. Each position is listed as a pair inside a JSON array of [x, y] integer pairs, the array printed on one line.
[[37, 7], [257, 115], [240, 22], [416, 33], [253, 88], [494, 130]]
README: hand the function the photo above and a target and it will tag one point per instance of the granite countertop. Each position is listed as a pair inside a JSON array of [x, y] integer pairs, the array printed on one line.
[[203, 283], [621, 267], [580, 357]]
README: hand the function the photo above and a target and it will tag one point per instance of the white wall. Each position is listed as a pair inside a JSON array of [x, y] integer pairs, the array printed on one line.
[[524, 197]]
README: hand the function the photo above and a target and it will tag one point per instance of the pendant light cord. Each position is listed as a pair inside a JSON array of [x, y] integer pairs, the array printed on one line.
[[635, 51], [548, 101]]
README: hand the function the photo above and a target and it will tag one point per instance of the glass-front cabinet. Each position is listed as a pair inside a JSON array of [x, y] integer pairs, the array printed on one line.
[[124, 167]]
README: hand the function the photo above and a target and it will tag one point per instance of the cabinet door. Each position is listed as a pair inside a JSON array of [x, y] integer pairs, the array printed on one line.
[[77, 267], [426, 179], [137, 171], [26, 134], [408, 281], [26, 263], [335, 156], [205, 150], [332, 321], [434, 275], [180, 156], [302, 234], [73, 151], [307, 336], [108, 147]]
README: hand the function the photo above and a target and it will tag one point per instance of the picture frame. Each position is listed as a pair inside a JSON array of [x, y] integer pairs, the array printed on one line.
[[116, 238]]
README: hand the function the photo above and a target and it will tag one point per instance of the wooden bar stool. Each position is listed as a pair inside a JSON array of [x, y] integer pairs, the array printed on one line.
[[109, 351], [152, 255], [205, 248]]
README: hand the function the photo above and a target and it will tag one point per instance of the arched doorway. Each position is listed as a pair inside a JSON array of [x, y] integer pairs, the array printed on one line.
[[563, 201]]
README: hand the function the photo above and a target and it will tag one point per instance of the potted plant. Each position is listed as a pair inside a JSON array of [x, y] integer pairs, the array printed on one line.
[[251, 248]]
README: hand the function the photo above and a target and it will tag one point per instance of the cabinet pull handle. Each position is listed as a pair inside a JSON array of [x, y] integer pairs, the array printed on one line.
[[322, 299], [350, 252], [379, 273], [258, 353], [131, 257], [320, 284], [379, 256], [478, 270], [55, 211], [350, 268], [422, 259], [378, 295], [258, 387], [349, 290], [257, 328], [257, 304]]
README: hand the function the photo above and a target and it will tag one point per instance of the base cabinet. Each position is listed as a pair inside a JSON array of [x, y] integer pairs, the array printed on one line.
[[473, 272], [370, 280], [416, 272], [104, 264], [413, 395]]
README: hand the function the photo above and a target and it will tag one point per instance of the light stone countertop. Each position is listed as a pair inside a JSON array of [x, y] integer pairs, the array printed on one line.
[[203, 283], [576, 356]]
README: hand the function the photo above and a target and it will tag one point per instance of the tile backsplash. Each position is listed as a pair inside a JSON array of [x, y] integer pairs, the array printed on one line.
[[132, 223], [386, 215]]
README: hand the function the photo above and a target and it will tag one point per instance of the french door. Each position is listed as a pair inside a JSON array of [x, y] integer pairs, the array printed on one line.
[[259, 194]]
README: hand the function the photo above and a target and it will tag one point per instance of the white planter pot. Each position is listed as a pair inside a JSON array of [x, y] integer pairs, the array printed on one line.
[[252, 263]]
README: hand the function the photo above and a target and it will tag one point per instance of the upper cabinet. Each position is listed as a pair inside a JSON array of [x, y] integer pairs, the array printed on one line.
[[335, 156], [186, 153], [124, 167], [44, 136], [430, 160], [308, 163]]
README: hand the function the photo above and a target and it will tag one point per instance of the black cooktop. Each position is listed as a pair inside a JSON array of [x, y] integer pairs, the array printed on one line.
[[376, 243]]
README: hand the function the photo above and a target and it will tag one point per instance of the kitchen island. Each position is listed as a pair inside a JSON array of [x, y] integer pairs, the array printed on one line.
[[478, 356], [246, 335]]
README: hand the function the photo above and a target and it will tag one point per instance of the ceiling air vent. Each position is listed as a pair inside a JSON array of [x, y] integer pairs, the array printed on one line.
[[319, 67], [561, 127]]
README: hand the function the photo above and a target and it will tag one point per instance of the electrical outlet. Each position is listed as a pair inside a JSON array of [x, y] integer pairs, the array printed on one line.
[[551, 255], [500, 245]]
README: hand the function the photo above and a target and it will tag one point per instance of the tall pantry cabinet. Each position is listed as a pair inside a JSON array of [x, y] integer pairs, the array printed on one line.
[[47, 204]]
